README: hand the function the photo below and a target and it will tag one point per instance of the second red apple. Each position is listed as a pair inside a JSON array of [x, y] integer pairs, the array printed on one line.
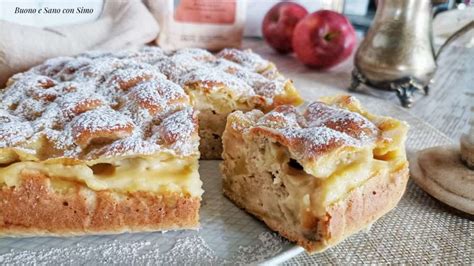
[[323, 39]]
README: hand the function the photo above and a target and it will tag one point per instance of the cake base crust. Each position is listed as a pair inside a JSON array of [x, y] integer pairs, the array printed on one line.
[[358, 210], [35, 208]]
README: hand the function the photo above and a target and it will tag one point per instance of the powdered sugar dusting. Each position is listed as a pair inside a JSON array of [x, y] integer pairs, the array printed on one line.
[[245, 58], [98, 119], [126, 146], [213, 81], [129, 93], [313, 141], [97, 98], [353, 124], [320, 129], [241, 73], [14, 132], [284, 116], [114, 252], [191, 250], [270, 245], [260, 84], [177, 129]]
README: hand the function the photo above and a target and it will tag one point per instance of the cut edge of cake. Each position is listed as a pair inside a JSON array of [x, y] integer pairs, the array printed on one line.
[[308, 182]]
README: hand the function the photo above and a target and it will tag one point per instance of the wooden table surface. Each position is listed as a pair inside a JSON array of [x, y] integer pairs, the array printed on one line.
[[447, 108]]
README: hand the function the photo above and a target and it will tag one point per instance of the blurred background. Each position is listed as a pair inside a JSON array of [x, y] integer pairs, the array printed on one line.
[[360, 12]]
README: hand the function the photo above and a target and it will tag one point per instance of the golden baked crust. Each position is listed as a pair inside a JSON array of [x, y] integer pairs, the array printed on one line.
[[318, 176], [84, 109], [107, 125], [35, 208]]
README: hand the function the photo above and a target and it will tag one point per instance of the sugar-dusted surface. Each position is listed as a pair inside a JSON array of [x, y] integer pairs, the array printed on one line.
[[350, 123], [106, 104], [317, 130], [213, 81], [245, 58], [241, 73], [261, 85], [94, 105]]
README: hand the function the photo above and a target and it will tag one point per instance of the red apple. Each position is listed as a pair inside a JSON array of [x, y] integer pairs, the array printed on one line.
[[278, 25], [323, 39]]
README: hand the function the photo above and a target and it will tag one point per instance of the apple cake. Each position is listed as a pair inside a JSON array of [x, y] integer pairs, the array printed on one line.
[[217, 85], [315, 176], [97, 144]]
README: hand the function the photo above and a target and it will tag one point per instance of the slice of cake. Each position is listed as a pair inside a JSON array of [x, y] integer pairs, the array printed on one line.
[[97, 144], [318, 176]]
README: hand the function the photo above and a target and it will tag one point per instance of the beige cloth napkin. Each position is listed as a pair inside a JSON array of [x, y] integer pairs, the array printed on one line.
[[122, 24]]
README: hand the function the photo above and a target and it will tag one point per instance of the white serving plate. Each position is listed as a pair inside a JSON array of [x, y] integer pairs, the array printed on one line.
[[227, 235]]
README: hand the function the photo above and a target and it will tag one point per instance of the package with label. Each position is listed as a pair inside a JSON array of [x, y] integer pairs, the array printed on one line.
[[209, 24]]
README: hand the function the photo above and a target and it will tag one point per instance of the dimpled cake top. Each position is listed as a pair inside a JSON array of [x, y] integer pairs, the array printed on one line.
[[105, 104], [318, 130], [89, 107]]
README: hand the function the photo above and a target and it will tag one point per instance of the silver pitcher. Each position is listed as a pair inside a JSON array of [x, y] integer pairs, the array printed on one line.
[[397, 54]]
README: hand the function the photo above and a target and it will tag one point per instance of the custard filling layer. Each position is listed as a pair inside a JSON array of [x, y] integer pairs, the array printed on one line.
[[314, 194], [146, 173]]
